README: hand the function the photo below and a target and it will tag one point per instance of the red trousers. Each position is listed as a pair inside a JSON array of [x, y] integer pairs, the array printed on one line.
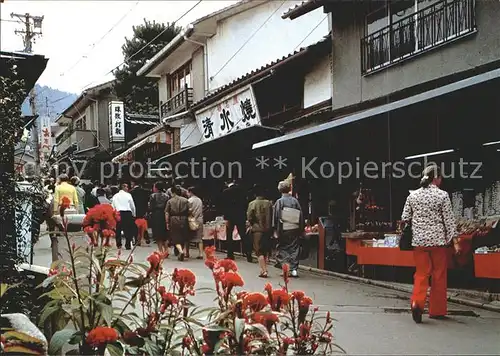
[[431, 262]]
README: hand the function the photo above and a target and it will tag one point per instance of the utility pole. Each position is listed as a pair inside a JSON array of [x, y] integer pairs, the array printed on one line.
[[32, 29]]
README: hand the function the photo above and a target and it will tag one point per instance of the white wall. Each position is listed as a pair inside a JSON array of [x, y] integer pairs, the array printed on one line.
[[190, 135], [317, 83], [277, 38]]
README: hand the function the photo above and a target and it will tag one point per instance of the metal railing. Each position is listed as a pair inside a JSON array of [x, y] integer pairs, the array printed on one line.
[[428, 28], [177, 103]]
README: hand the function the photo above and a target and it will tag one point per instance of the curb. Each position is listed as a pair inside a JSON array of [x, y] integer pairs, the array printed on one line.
[[453, 299]]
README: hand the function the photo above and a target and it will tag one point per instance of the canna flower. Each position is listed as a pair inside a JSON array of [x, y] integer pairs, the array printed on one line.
[[155, 260], [231, 280], [65, 203], [306, 302], [326, 337], [101, 335], [280, 299], [210, 251], [210, 262], [169, 299], [227, 265], [254, 301], [266, 319], [161, 290], [286, 273], [186, 342], [298, 295], [328, 317], [185, 280]]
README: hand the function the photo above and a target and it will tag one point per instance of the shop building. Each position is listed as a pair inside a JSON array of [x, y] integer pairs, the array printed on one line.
[[412, 82]]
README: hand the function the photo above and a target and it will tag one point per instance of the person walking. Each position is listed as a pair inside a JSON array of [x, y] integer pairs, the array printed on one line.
[[176, 217], [64, 189], [123, 202], [141, 201], [433, 226], [234, 206], [97, 185], [157, 203], [75, 182], [259, 220], [288, 226], [196, 212], [101, 197]]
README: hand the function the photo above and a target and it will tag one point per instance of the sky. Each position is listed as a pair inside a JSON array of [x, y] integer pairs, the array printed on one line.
[[83, 39]]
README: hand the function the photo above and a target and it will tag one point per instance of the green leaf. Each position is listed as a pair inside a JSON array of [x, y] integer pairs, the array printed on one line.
[[48, 310], [121, 326], [59, 339], [5, 287], [106, 312], [239, 326], [76, 338], [135, 282], [194, 321], [115, 349], [73, 352]]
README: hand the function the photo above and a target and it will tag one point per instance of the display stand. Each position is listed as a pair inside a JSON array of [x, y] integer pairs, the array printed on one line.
[[487, 265]]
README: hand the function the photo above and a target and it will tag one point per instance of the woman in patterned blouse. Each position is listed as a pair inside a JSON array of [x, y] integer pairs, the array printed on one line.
[[433, 229]]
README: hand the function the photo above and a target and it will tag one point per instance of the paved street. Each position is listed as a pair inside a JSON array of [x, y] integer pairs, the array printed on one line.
[[371, 320]]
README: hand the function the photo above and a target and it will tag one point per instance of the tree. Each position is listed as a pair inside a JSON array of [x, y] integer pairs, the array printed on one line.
[[140, 94]]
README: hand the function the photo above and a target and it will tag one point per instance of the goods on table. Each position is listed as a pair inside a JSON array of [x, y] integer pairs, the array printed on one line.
[[479, 227], [492, 249]]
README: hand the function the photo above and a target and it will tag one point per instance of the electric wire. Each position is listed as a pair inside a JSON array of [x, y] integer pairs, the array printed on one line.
[[139, 51], [310, 32]]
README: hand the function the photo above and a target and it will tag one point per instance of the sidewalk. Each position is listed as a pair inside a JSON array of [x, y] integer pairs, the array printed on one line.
[[371, 320]]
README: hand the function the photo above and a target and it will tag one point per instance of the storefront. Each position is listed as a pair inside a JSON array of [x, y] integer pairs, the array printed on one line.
[[359, 169]]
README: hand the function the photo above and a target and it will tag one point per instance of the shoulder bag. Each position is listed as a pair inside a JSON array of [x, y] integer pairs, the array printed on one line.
[[406, 238]]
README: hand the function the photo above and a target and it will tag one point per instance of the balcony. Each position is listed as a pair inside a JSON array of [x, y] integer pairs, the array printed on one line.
[[426, 29], [179, 102], [84, 139]]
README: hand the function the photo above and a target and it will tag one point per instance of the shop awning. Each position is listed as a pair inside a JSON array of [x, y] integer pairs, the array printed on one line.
[[382, 109], [237, 141], [158, 137]]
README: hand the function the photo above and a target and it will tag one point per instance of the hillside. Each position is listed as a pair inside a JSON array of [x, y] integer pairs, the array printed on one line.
[[57, 101]]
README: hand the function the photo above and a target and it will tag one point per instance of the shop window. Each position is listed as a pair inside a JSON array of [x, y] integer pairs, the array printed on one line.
[[398, 29]]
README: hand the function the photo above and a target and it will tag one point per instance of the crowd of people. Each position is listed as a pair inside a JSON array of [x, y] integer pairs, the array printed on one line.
[[175, 216]]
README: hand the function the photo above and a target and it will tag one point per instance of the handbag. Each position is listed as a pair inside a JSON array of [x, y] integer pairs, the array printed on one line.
[[406, 238], [193, 223]]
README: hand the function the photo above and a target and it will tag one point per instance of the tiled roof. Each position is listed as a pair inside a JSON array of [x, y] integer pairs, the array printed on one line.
[[302, 8], [259, 71]]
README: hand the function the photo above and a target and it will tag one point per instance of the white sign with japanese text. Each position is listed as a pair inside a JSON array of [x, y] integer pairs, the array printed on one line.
[[234, 112], [116, 121], [45, 136]]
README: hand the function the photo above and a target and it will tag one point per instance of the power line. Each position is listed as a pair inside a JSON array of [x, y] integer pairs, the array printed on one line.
[[248, 40], [139, 51], [310, 32], [7, 20], [93, 46]]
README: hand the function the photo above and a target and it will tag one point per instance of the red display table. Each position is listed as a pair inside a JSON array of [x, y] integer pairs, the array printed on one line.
[[487, 265]]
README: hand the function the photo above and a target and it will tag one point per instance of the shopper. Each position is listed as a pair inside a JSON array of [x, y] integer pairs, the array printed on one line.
[[196, 212], [123, 202], [75, 182], [64, 189], [288, 226], [176, 216], [101, 197], [429, 211], [259, 220], [141, 201], [157, 203], [97, 185], [234, 206]]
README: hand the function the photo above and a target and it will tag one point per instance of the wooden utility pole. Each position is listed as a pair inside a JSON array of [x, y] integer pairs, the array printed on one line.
[[32, 29]]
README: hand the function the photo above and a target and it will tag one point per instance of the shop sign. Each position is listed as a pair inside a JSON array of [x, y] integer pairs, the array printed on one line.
[[116, 121], [232, 113], [45, 136]]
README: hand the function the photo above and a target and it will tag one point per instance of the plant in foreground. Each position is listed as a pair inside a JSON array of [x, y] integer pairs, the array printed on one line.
[[104, 302]]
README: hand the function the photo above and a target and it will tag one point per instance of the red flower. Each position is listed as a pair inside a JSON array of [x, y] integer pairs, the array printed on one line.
[[169, 299], [210, 251], [65, 203], [142, 224], [232, 279], [306, 302], [142, 296], [162, 290], [266, 319], [286, 273], [305, 330], [254, 301], [101, 217], [298, 295], [132, 338], [101, 335], [185, 279], [280, 299], [186, 342], [227, 265], [155, 260], [241, 295], [53, 272], [326, 337], [210, 262], [328, 318], [288, 341]]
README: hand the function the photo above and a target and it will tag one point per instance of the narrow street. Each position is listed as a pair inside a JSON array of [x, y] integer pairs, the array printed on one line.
[[371, 320]]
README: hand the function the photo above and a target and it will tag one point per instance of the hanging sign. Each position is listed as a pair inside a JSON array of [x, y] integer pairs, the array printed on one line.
[[234, 112], [116, 121]]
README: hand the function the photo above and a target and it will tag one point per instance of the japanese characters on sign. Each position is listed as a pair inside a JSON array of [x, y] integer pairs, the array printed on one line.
[[45, 143], [230, 114], [116, 122]]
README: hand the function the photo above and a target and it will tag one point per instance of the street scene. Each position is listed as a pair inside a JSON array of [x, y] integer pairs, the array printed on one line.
[[246, 177]]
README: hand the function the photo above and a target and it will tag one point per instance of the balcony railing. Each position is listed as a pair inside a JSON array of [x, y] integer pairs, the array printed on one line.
[[442, 22], [179, 102], [82, 138]]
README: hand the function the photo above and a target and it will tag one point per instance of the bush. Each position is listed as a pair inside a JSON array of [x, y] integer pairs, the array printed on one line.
[[105, 302]]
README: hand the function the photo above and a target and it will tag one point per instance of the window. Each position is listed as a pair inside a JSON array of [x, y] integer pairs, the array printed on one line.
[[81, 123], [178, 80], [398, 29]]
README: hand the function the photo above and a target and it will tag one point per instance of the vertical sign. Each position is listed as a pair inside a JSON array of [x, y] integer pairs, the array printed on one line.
[[116, 121], [232, 113], [45, 136]]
